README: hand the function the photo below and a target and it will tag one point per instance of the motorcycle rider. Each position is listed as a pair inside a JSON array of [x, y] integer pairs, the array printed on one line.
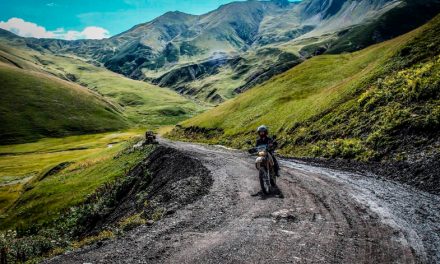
[[264, 139]]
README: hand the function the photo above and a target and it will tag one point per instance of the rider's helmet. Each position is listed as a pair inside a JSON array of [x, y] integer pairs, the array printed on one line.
[[262, 130]]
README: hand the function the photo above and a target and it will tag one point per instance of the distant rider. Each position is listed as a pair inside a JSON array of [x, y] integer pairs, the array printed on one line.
[[264, 139]]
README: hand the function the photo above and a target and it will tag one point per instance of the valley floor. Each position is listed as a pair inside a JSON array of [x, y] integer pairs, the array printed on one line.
[[28, 194], [319, 215]]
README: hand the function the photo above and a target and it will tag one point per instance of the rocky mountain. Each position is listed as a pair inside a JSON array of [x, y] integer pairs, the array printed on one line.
[[213, 56]]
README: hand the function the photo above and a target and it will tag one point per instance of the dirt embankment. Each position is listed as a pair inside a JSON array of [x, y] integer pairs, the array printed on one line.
[[165, 181]]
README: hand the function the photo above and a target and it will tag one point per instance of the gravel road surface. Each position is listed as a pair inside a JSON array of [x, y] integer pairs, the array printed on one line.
[[319, 215]]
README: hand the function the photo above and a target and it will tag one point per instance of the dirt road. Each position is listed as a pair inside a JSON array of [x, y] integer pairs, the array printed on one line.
[[319, 216]]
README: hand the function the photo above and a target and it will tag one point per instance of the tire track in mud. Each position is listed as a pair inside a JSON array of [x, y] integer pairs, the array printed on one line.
[[319, 216], [414, 215]]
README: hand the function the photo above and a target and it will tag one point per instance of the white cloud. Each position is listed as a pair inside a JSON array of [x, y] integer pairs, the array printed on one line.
[[26, 29], [95, 33], [29, 29], [87, 33]]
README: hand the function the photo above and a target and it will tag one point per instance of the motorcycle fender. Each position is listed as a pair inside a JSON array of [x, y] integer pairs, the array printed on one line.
[[259, 160]]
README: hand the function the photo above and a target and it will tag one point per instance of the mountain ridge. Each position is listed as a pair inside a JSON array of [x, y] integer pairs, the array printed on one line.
[[176, 41]]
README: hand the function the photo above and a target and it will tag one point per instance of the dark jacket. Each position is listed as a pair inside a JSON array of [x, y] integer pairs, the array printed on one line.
[[267, 141]]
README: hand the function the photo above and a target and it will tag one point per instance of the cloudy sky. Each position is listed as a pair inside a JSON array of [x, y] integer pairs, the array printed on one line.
[[91, 19]]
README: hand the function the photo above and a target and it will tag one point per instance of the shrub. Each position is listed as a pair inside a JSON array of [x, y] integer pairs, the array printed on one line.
[[103, 235], [341, 148], [131, 222]]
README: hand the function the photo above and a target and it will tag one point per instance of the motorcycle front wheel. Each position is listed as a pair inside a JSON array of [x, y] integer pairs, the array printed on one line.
[[264, 181]]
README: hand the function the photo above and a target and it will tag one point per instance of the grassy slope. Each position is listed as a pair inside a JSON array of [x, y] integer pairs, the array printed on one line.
[[35, 105], [322, 102], [49, 90], [25, 197], [144, 104], [28, 196]]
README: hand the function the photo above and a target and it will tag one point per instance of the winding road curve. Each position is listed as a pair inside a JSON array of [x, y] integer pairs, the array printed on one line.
[[320, 215]]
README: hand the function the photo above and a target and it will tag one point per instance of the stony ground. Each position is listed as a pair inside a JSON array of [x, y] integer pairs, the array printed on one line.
[[319, 215]]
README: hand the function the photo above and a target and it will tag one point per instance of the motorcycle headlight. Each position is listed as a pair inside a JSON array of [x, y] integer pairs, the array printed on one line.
[[262, 153]]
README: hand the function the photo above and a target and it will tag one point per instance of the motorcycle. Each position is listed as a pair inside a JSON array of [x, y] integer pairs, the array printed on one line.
[[265, 166]]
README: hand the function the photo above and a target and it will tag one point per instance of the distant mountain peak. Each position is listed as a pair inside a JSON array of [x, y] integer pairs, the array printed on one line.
[[281, 3], [175, 13], [173, 16]]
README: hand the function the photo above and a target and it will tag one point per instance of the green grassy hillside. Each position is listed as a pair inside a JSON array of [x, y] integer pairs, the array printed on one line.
[[378, 102], [25, 172], [32, 77], [144, 104], [40, 179], [44, 184], [35, 105]]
